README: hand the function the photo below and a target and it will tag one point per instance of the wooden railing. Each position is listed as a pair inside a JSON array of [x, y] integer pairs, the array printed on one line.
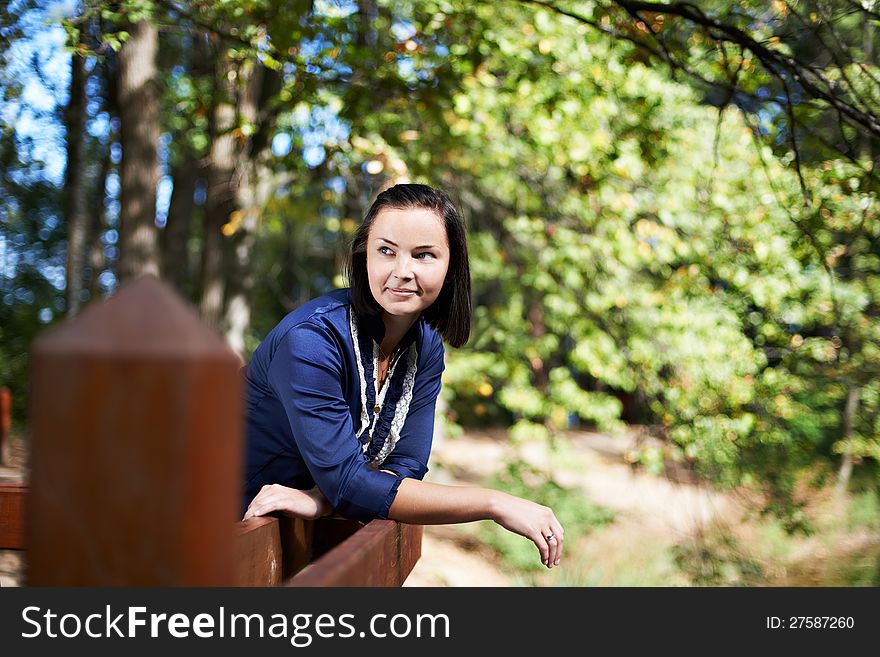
[[340, 553], [12, 497], [135, 469], [285, 551]]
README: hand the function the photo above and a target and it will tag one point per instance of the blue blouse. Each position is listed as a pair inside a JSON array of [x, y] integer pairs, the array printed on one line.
[[315, 415]]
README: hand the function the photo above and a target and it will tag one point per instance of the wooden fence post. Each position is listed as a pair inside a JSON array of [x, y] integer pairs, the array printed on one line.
[[136, 423]]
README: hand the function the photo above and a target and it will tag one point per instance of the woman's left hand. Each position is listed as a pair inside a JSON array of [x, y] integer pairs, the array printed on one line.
[[536, 522], [293, 502]]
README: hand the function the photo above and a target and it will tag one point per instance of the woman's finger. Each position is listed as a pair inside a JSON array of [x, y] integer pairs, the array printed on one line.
[[554, 536], [252, 509], [262, 504], [543, 548], [560, 538], [550, 537], [555, 543]]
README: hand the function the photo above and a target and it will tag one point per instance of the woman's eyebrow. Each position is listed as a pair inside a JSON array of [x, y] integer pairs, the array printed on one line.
[[423, 246]]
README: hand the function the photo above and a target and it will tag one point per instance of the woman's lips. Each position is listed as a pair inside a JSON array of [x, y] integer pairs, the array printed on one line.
[[401, 293]]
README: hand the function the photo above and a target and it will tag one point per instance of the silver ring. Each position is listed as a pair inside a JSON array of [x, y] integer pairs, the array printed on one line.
[[549, 537]]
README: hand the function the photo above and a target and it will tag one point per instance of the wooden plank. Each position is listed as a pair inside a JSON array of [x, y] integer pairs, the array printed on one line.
[[258, 552], [368, 558], [270, 550], [330, 531], [12, 503], [297, 537], [136, 447], [410, 548]]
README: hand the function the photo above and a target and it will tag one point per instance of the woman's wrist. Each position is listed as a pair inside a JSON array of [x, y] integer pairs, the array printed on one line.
[[492, 503], [322, 505]]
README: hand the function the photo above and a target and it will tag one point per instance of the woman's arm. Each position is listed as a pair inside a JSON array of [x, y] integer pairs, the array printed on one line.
[[306, 374], [424, 503]]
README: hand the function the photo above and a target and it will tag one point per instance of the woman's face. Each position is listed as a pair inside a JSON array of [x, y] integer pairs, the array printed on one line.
[[407, 259]]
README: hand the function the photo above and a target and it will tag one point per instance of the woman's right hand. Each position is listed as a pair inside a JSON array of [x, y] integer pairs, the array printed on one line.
[[534, 521], [293, 502]]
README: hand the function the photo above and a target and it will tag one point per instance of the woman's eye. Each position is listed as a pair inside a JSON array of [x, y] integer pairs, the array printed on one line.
[[384, 250], [425, 253]]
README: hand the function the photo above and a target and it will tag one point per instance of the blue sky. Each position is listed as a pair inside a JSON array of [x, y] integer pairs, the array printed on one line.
[[44, 88]]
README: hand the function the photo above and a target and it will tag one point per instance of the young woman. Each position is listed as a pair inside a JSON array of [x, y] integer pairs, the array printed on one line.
[[342, 392]]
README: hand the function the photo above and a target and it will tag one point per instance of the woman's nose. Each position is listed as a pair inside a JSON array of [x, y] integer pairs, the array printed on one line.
[[403, 267]]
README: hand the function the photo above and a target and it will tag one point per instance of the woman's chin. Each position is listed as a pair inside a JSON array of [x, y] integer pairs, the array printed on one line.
[[403, 308], [400, 310]]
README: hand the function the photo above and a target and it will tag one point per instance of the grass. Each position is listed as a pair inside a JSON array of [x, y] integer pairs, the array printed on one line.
[[575, 512], [740, 547], [607, 550], [843, 548]]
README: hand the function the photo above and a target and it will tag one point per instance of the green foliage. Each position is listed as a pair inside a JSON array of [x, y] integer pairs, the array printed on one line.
[[469, 383], [637, 255], [627, 241], [576, 514], [718, 559], [864, 511], [843, 551]]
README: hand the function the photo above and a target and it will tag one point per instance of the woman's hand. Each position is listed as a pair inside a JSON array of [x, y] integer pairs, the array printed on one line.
[[535, 522], [293, 502]]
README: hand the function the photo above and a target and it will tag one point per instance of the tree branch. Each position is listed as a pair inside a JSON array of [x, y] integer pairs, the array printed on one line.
[[808, 78]]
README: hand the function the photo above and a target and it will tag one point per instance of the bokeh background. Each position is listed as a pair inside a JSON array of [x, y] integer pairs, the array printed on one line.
[[673, 225]]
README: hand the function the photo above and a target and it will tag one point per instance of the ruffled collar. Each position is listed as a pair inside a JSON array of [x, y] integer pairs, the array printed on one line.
[[383, 412]]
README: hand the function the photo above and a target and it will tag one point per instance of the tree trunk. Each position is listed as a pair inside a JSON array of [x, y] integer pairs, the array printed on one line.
[[536, 320], [852, 398], [76, 184], [138, 99], [107, 71], [868, 44], [242, 123], [849, 421], [97, 262], [238, 307], [368, 11], [251, 193], [189, 166], [220, 202], [175, 236]]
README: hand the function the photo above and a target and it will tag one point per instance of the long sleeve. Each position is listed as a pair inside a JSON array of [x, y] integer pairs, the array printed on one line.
[[410, 455], [305, 373]]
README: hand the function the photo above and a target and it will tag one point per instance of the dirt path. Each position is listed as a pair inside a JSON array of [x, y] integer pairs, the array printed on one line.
[[652, 514]]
